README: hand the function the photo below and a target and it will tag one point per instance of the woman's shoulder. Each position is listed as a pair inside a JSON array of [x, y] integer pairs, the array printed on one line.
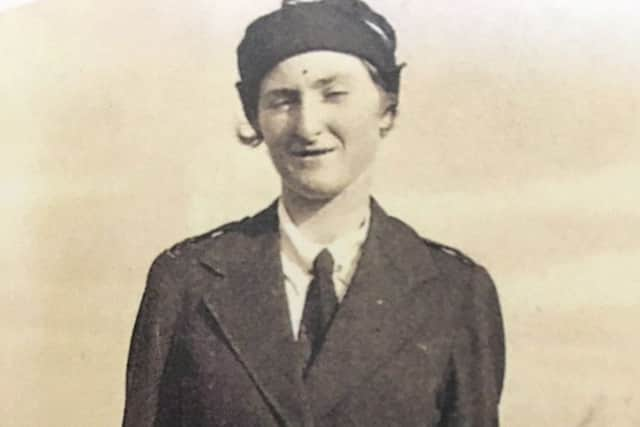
[[196, 243], [448, 253], [442, 253], [223, 236]]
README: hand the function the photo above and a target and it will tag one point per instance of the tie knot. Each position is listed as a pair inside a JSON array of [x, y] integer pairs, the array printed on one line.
[[323, 264]]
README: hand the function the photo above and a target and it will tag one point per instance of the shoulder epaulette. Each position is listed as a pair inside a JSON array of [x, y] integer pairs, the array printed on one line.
[[449, 251], [174, 251]]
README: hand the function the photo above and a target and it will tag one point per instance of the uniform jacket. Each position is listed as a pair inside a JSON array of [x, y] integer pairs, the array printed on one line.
[[417, 341]]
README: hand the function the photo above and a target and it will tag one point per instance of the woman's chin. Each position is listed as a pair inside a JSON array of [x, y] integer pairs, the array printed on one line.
[[317, 190]]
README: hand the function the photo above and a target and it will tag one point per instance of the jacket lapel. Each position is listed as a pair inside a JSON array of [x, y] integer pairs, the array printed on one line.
[[383, 308], [249, 304]]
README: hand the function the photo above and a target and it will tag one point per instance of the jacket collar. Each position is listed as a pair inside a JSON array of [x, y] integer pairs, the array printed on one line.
[[263, 228]]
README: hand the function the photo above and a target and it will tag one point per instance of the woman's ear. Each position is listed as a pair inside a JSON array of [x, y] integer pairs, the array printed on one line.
[[389, 112], [247, 134]]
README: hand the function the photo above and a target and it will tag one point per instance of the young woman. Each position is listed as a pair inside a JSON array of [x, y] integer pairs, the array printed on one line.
[[321, 310]]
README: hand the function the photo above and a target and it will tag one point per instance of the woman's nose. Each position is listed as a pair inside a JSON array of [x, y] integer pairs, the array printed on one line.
[[309, 123]]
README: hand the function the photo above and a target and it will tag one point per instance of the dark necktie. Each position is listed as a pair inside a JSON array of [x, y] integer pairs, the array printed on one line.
[[319, 306]]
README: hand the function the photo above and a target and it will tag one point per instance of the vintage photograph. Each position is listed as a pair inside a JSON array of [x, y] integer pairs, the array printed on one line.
[[320, 213]]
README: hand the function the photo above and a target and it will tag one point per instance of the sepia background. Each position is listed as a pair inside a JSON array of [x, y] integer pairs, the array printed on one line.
[[518, 141]]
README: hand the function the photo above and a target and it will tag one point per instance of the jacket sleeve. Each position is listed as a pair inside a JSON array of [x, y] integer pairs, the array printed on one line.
[[477, 362], [151, 393]]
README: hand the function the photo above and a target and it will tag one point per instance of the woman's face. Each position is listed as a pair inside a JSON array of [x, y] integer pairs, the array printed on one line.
[[321, 116]]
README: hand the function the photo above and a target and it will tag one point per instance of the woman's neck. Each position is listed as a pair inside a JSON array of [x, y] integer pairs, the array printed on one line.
[[323, 221]]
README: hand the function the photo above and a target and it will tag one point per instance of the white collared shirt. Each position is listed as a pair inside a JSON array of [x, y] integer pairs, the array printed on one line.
[[297, 254]]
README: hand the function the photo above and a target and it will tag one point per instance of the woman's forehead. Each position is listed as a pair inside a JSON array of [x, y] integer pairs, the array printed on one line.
[[316, 67]]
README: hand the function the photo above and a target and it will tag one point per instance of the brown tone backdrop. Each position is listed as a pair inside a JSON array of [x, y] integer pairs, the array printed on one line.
[[518, 140]]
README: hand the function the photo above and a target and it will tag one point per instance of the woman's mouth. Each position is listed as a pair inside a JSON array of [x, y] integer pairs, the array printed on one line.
[[315, 152]]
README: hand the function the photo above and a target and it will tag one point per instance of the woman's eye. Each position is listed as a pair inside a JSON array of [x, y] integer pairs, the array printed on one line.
[[335, 95], [280, 104]]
